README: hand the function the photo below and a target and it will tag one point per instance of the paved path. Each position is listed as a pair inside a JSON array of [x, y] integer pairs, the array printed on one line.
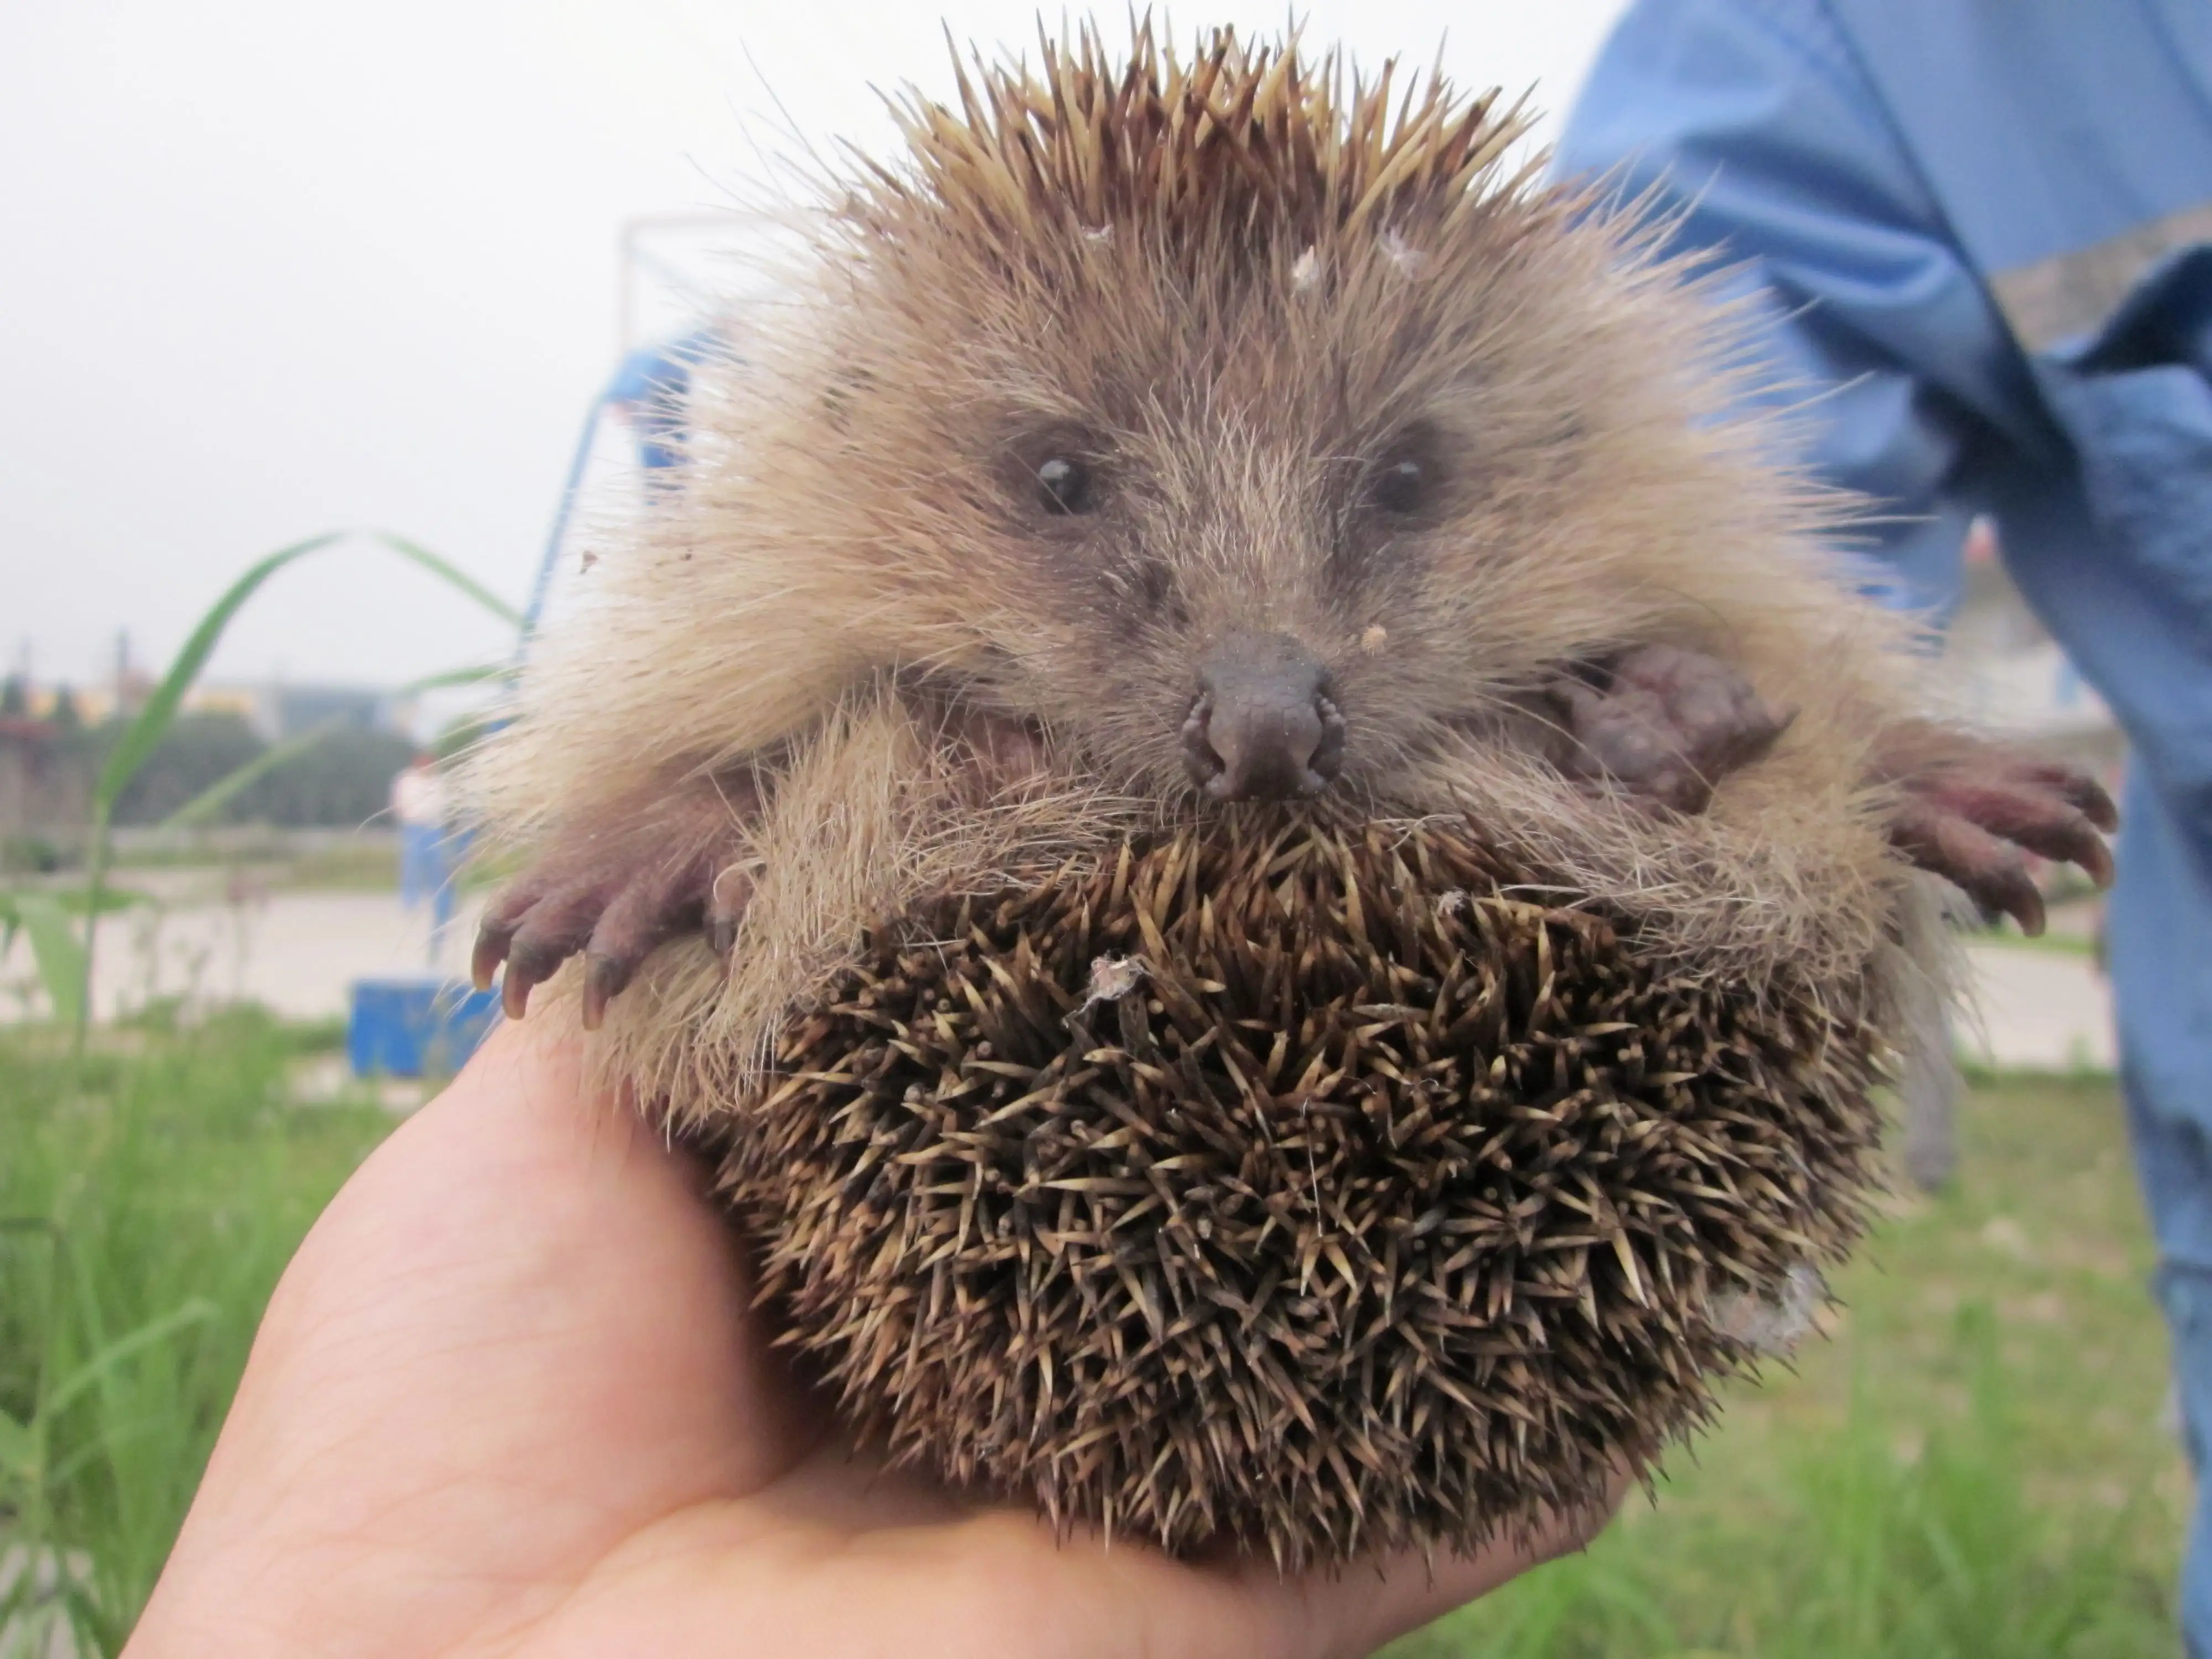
[[2039, 1009], [295, 952], [298, 953]]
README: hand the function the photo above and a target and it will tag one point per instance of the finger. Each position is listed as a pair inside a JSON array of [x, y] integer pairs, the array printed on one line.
[[1628, 737], [1349, 1613], [1580, 699], [2081, 791], [604, 978], [1681, 787], [1658, 666], [489, 950]]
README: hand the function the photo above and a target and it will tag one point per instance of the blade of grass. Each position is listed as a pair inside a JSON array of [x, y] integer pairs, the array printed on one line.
[[483, 673], [19, 1451], [153, 721], [197, 1311], [213, 799], [145, 733], [453, 574], [77, 901], [217, 795], [55, 952]]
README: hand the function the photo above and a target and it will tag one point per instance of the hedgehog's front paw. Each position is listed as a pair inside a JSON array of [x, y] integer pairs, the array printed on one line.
[[1662, 725], [1966, 808], [617, 896]]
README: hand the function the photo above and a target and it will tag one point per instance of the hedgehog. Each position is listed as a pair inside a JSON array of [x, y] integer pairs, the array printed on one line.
[[1251, 813]]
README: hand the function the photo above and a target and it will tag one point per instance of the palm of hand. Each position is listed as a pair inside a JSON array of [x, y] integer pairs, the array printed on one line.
[[510, 1400]]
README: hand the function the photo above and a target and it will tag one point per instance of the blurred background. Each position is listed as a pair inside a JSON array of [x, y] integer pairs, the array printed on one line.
[[270, 272]]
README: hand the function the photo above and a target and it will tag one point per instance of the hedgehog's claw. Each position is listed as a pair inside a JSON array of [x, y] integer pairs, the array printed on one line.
[[616, 921], [497, 931], [727, 895], [1664, 725], [653, 907], [617, 898], [1968, 809], [553, 929], [1988, 870]]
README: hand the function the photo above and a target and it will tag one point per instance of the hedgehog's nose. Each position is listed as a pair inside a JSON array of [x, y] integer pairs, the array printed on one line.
[[1264, 726]]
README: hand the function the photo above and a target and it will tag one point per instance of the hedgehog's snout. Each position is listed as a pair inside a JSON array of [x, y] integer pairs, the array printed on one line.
[[1264, 725]]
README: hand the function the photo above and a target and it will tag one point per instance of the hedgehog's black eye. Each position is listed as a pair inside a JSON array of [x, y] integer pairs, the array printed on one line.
[[1064, 484], [1400, 486], [1408, 478], [1059, 470]]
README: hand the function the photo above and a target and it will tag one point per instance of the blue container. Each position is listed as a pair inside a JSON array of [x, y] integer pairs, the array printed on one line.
[[415, 1027]]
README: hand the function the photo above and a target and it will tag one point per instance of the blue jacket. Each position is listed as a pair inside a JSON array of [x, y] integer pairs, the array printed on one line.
[[1981, 229]]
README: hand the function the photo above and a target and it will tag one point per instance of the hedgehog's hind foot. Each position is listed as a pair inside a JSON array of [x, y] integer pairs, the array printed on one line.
[[617, 897], [1662, 725], [1968, 809]]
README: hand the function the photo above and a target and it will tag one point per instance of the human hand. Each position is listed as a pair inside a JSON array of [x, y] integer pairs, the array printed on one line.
[[511, 1399]]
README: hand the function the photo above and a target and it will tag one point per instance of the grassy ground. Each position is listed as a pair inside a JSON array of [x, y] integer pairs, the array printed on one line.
[[312, 862], [147, 1206], [1973, 1464]]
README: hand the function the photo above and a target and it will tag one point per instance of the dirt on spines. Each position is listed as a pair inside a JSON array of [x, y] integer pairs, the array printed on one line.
[[1292, 1185]]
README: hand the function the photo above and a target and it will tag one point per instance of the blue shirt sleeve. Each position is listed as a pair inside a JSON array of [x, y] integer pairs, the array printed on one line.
[[1751, 126]]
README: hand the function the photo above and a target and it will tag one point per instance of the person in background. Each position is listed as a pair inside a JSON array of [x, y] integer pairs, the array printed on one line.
[[1975, 239], [419, 806]]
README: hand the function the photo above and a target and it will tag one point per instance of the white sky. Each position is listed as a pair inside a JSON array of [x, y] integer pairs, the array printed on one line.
[[269, 268]]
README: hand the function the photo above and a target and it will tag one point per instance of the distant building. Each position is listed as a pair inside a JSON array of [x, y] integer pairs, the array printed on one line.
[[94, 703], [297, 709], [247, 701], [277, 710], [44, 789]]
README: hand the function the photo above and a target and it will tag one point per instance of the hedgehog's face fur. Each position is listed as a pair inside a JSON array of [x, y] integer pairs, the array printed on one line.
[[1160, 491], [1086, 443]]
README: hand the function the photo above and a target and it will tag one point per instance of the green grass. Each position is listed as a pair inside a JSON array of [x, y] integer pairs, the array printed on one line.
[[349, 867], [1972, 1464], [281, 861], [147, 1203], [2050, 943]]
